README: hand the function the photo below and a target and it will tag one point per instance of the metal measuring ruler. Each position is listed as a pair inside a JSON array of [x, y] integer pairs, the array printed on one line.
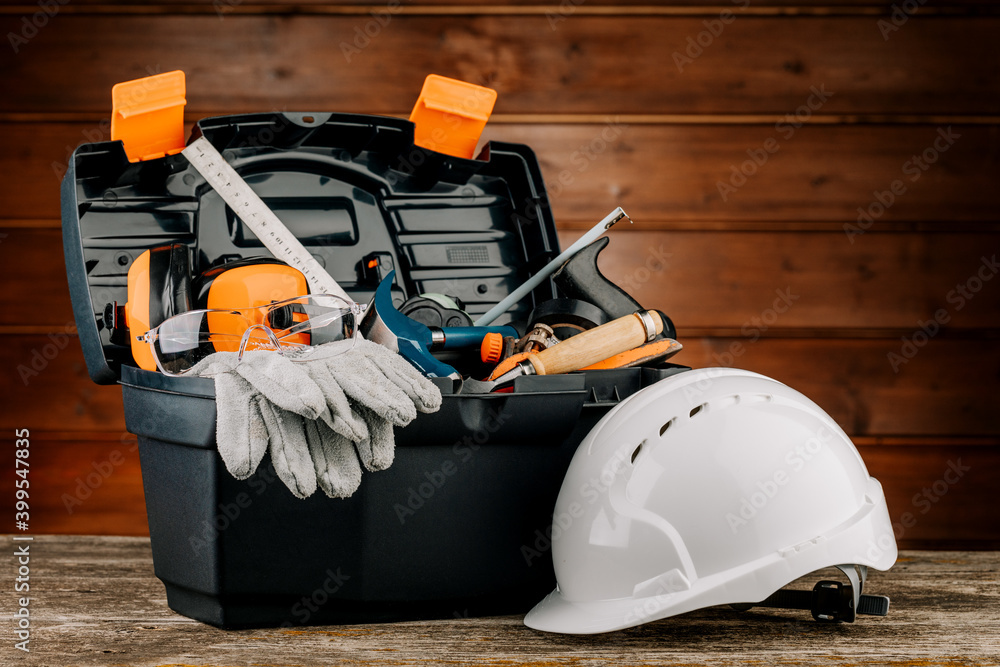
[[254, 212]]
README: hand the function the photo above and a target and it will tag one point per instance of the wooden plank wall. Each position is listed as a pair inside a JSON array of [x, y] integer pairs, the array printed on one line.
[[655, 107]]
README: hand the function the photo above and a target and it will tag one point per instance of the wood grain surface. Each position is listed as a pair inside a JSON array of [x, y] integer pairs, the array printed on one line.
[[668, 172], [97, 602], [539, 64]]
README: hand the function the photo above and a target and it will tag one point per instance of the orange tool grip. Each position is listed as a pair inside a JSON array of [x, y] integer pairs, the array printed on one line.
[[491, 348]]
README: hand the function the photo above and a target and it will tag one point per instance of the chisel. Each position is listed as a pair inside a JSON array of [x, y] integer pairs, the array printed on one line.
[[581, 350]]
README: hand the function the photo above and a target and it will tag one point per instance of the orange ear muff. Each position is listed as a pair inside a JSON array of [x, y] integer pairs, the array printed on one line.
[[247, 283], [137, 311], [159, 286]]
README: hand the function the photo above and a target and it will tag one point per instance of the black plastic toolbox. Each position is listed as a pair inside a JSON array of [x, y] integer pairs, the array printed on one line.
[[459, 524]]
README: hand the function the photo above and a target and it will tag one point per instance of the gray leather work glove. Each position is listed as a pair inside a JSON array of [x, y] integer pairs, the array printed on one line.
[[319, 412], [334, 459], [425, 395], [289, 448], [260, 404], [241, 434], [380, 392]]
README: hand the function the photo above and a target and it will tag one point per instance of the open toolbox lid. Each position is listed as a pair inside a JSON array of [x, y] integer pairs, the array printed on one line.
[[354, 189]]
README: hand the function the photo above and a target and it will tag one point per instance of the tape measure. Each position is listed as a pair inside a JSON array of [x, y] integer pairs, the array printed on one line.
[[254, 212]]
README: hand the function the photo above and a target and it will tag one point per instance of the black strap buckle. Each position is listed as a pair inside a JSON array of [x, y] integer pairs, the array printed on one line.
[[833, 601], [829, 602], [114, 322]]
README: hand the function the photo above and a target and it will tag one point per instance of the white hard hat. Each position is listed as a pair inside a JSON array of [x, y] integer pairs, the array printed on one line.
[[712, 486]]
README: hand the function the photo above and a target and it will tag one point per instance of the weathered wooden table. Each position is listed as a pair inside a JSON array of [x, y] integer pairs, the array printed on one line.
[[97, 602]]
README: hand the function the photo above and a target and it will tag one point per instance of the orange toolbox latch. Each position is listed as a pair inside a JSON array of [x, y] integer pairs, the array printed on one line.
[[450, 115], [148, 115]]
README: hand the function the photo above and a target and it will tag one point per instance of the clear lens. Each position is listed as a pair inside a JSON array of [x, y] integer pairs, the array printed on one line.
[[312, 320], [183, 340]]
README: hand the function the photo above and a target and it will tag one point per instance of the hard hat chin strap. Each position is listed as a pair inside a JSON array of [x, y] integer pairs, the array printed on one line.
[[858, 576], [831, 600]]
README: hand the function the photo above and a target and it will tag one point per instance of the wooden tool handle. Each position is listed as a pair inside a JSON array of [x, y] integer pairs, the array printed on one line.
[[594, 345]]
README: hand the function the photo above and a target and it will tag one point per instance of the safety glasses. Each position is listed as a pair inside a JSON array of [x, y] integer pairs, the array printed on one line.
[[183, 340]]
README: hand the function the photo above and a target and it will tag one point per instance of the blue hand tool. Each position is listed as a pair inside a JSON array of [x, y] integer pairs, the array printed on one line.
[[384, 324]]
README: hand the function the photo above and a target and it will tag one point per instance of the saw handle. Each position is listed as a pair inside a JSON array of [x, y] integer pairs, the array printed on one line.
[[594, 345]]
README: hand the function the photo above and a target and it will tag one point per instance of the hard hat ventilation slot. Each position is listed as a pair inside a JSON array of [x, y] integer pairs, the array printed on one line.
[[726, 402], [636, 451], [698, 409], [663, 429]]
